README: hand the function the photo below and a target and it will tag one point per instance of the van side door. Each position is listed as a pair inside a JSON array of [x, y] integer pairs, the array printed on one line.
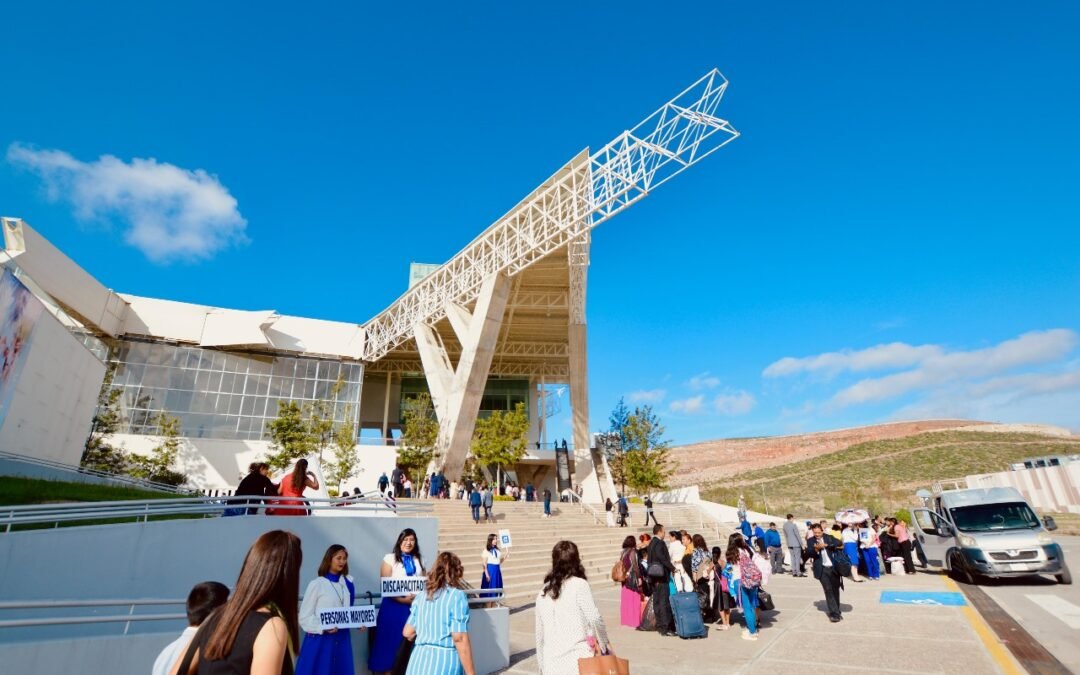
[[935, 535]]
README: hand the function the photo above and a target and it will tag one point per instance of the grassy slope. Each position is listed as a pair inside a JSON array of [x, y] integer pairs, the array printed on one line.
[[14, 491], [883, 474]]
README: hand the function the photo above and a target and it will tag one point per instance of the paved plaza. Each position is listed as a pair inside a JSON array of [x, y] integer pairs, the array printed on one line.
[[797, 636]]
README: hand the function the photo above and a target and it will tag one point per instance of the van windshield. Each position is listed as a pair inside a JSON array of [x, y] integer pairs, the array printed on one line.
[[985, 517]]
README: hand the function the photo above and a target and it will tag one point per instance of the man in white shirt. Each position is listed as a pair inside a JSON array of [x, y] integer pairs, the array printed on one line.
[[203, 599], [823, 547]]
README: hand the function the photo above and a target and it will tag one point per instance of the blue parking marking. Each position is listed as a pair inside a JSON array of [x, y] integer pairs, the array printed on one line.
[[924, 598]]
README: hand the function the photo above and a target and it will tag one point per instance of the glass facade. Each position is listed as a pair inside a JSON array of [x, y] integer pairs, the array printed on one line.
[[499, 394], [227, 395]]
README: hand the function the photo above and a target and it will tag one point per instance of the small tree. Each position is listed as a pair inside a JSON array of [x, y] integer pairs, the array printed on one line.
[[98, 454], [345, 461], [647, 466], [290, 437], [158, 466], [501, 438], [419, 437]]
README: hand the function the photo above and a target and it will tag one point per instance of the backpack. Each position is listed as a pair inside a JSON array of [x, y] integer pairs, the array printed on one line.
[[749, 573], [618, 572], [840, 562]]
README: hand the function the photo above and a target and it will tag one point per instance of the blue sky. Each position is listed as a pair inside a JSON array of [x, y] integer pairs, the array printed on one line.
[[898, 220]]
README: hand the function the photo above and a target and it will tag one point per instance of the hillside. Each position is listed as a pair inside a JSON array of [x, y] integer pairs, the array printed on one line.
[[883, 474]]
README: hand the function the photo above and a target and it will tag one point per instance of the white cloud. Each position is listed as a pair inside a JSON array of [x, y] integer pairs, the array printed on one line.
[[879, 357], [689, 406], [738, 403], [704, 381], [171, 213], [647, 396]]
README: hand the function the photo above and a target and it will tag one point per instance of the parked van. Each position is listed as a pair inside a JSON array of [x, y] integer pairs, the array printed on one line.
[[987, 533]]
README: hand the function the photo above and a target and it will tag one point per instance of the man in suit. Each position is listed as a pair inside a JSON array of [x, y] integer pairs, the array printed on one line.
[[822, 549], [794, 542], [658, 555]]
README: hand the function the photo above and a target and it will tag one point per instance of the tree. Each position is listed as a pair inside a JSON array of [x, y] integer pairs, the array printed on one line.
[[290, 437], [646, 464], [419, 437], [98, 454], [158, 465], [614, 443], [501, 438], [344, 447], [620, 415], [320, 419]]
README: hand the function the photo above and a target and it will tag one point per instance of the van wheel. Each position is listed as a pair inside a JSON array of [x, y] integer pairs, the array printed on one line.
[[959, 571], [1065, 577]]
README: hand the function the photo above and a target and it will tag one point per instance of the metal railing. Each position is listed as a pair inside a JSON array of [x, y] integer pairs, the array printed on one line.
[[144, 510], [476, 596], [587, 508], [112, 477]]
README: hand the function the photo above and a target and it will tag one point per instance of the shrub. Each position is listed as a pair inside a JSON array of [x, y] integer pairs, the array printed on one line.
[[904, 515], [504, 498]]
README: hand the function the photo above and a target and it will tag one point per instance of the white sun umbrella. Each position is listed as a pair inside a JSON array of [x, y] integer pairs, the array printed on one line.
[[852, 516]]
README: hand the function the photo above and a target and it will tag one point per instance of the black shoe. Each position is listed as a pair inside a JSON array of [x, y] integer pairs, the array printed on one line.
[[668, 633], [834, 619]]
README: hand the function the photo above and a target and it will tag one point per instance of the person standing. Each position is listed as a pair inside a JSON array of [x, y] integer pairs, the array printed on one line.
[[850, 538], [868, 544], [405, 561], [775, 549], [492, 560], [530, 491], [256, 484], [395, 481], [327, 652], [904, 539], [660, 570], [822, 549], [609, 509], [568, 624], [547, 503], [624, 511], [292, 487], [794, 542], [631, 594], [203, 599], [744, 527], [384, 483], [489, 504], [408, 486], [758, 540], [475, 501], [439, 623], [649, 512]]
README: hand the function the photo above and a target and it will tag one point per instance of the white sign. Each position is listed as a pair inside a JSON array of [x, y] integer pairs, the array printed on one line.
[[504, 538], [400, 587], [347, 617]]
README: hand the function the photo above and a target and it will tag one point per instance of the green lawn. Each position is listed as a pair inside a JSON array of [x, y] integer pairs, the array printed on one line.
[[16, 491]]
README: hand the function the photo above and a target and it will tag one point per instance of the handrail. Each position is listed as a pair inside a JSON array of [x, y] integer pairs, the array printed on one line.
[[473, 594], [587, 507], [206, 506], [129, 480]]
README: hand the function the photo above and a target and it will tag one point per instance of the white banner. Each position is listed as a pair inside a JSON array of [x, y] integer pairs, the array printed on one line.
[[504, 538], [399, 587], [348, 617]]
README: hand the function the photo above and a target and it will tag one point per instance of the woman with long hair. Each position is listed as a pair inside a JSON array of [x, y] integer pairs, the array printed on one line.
[[439, 623], [745, 580], [722, 601], [255, 631], [492, 560], [609, 507], [327, 652], [292, 486], [630, 598], [568, 624], [404, 561]]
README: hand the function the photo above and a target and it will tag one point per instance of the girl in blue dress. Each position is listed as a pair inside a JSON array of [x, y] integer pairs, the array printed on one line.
[[492, 559], [327, 652], [394, 612]]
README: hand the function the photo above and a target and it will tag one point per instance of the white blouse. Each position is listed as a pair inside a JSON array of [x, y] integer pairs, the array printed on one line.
[[397, 569], [563, 627], [322, 594], [492, 557]]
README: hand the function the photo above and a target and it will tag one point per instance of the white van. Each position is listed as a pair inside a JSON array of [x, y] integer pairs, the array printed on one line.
[[988, 533]]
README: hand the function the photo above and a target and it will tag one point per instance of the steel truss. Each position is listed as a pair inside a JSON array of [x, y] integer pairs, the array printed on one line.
[[584, 193]]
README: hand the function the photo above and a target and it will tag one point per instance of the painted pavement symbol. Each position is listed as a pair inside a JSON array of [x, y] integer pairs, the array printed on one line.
[[925, 598]]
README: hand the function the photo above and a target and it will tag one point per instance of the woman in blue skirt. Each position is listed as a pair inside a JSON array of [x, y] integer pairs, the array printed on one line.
[[394, 612], [327, 652], [492, 559]]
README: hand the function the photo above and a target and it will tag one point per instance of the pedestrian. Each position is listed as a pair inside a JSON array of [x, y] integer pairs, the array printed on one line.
[[679, 548], [659, 571], [757, 541], [722, 600], [327, 652], [291, 502], [868, 544], [255, 485], [529, 491], [631, 593], [824, 549], [408, 487], [904, 539], [850, 538], [746, 580], [259, 622], [794, 544], [384, 482], [649, 512], [489, 503], [395, 481], [403, 562], [476, 500], [701, 572], [624, 511], [568, 624], [547, 503], [609, 509], [744, 527], [438, 623], [775, 549], [203, 599], [493, 558]]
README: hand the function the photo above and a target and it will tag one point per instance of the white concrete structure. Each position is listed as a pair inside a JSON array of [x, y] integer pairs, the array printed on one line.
[[498, 324], [1048, 488]]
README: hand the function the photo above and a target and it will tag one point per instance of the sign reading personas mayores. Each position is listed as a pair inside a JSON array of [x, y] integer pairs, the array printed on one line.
[[347, 617], [399, 587]]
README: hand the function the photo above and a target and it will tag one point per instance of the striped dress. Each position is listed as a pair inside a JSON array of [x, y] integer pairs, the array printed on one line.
[[434, 620]]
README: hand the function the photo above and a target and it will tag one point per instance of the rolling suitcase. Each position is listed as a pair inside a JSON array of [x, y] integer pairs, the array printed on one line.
[[687, 611]]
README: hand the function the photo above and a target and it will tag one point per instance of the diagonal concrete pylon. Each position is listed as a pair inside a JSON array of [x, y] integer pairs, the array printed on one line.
[[456, 392]]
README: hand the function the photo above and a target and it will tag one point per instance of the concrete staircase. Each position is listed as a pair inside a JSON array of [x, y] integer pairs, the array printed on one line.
[[534, 536]]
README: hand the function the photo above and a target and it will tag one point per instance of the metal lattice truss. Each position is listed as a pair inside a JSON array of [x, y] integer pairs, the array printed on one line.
[[554, 372], [561, 212]]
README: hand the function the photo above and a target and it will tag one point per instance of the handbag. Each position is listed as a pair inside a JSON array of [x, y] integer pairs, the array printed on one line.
[[401, 659], [618, 572], [765, 601], [656, 571], [603, 664]]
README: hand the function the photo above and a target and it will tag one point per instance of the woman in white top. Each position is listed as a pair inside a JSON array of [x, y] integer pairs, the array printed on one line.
[[327, 652], [850, 537], [568, 624], [492, 560], [404, 562]]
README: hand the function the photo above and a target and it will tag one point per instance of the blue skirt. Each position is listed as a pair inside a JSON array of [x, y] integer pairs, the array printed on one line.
[[494, 580], [326, 654], [852, 551], [388, 627]]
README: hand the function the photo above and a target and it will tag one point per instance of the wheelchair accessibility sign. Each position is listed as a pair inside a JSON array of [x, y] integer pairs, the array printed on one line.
[[924, 598]]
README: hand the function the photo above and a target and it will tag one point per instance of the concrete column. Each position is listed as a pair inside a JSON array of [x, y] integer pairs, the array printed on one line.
[[584, 469], [386, 407], [456, 392]]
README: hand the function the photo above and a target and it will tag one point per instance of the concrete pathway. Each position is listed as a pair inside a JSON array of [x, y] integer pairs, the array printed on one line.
[[797, 636]]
